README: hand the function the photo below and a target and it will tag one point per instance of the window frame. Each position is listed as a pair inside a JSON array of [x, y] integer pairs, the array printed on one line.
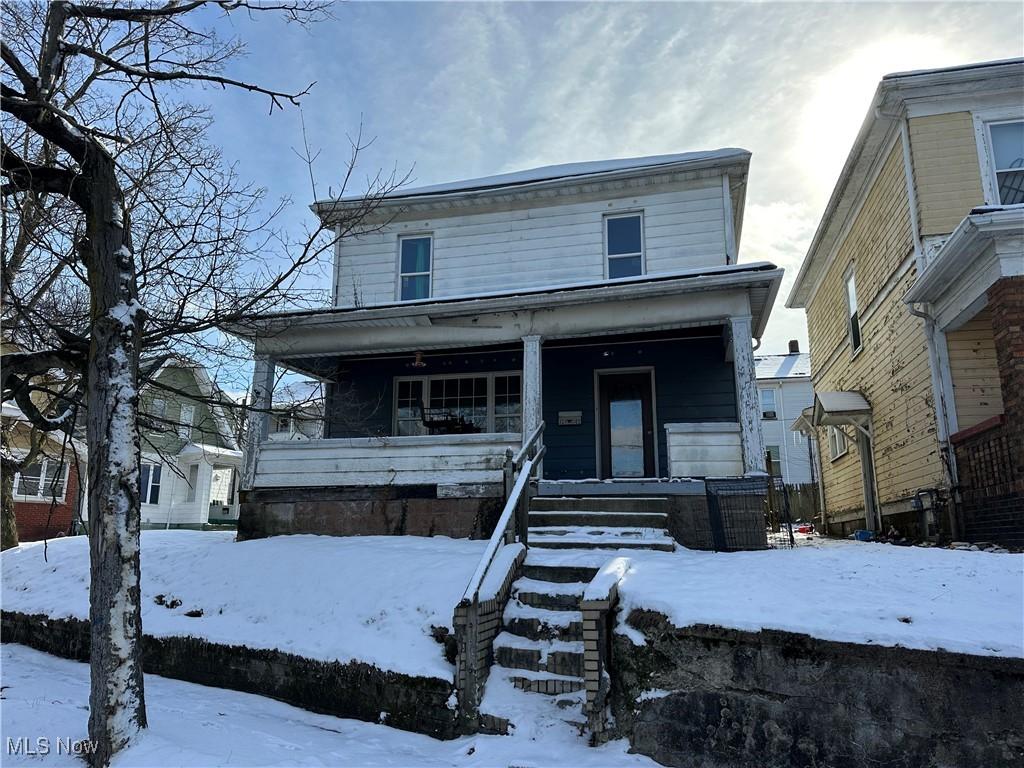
[[146, 494], [426, 379], [990, 147], [41, 495], [850, 277], [185, 427], [776, 458], [833, 452], [982, 118], [429, 273], [775, 403], [643, 243]]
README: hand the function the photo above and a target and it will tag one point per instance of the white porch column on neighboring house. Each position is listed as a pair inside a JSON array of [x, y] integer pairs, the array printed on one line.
[[748, 402], [533, 402], [258, 427]]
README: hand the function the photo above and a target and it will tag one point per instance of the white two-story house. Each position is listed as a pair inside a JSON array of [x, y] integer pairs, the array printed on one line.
[[784, 386], [602, 301]]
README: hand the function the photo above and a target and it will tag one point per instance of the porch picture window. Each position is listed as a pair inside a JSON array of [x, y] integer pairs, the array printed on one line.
[[624, 244], [1008, 160], [415, 264], [43, 479], [768, 408], [149, 483], [837, 443], [492, 402], [851, 307]]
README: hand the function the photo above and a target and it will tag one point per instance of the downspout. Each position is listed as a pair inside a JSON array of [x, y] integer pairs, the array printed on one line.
[[934, 359]]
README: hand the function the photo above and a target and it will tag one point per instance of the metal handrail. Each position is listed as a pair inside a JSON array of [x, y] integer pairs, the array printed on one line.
[[473, 590]]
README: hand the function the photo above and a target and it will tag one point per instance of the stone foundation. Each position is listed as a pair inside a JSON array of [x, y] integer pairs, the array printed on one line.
[[354, 690], [724, 698], [393, 510]]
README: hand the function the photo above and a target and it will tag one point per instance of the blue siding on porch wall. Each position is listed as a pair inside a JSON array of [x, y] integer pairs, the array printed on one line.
[[692, 382]]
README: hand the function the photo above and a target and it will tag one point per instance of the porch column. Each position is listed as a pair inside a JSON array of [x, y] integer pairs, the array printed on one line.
[[258, 426], [533, 404], [748, 403]]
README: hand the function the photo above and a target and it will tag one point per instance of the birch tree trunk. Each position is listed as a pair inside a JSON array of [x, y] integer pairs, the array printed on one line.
[[116, 703]]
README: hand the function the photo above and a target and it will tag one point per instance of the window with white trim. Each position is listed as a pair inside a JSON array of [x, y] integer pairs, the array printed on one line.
[[769, 409], [282, 423], [185, 418], [149, 483], [193, 483], [853, 317], [624, 244], [490, 401], [414, 257], [776, 459], [43, 479], [837, 443], [1007, 142], [159, 407]]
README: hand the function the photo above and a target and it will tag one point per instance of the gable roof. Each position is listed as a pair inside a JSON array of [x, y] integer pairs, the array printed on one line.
[[208, 389], [887, 109], [795, 366]]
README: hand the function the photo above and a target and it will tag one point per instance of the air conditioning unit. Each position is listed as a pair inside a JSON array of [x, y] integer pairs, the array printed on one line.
[[768, 415]]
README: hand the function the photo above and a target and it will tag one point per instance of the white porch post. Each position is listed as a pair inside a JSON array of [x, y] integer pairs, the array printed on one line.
[[258, 428], [748, 403], [533, 402]]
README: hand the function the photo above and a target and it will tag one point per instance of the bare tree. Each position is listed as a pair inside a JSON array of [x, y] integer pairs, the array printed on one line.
[[124, 231]]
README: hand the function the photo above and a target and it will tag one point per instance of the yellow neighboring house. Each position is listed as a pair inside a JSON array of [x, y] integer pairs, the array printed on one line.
[[914, 293]]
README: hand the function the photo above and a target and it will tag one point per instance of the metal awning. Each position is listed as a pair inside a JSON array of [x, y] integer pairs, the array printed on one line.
[[841, 408], [803, 423]]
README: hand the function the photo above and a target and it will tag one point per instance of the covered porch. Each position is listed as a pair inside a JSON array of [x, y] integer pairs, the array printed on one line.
[[635, 378]]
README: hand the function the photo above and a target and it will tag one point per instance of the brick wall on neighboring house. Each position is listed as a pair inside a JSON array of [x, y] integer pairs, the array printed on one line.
[[44, 520], [990, 455]]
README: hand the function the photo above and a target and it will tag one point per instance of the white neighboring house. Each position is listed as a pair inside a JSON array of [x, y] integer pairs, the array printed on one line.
[[784, 387]]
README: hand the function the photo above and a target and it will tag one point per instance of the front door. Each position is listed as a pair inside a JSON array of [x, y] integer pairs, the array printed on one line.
[[626, 425]]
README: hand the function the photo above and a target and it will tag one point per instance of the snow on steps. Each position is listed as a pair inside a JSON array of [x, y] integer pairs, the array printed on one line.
[[542, 623], [577, 537], [562, 657], [547, 594]]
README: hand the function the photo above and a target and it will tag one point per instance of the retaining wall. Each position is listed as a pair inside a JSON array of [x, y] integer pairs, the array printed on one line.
[[354, 689], [723, 698]]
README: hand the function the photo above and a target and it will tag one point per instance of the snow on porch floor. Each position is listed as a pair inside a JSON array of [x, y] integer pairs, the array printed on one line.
[[193, 726], [368, 598], [859, 592]]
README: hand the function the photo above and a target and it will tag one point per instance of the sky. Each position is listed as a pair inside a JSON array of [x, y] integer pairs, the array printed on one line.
[[459, 90]]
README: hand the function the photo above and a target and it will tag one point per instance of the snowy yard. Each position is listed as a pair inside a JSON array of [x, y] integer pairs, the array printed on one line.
[[970, 602], [371, 598], [192, 726]]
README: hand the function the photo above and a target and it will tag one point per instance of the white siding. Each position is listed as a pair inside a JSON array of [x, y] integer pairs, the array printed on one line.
[[791, 397], [544, 245]]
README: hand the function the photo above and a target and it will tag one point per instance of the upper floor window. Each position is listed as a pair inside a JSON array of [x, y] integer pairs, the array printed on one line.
[[1008, 159], [851, 310], [159, 408], [188, 413], [624, 242], [768, 407], [43, 479], [414, 268]]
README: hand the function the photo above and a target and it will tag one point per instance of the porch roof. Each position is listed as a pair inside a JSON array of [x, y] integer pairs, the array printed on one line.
[[839, 408], [648, 302]]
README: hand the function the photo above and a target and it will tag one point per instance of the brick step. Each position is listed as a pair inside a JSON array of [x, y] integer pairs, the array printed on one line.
[[559, 573], [599, 504], [542, 623], [599, 519], [547, 683], [561, 657], [564, 596]]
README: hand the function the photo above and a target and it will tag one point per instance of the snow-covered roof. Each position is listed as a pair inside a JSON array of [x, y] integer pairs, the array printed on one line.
[[782, 366], [550, 173]]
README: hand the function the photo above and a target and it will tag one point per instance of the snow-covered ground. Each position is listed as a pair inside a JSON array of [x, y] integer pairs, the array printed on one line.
[[192, 726], [369, 598], [971, 602]]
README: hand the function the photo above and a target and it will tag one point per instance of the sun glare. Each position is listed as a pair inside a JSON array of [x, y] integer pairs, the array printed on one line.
[[840, 97]]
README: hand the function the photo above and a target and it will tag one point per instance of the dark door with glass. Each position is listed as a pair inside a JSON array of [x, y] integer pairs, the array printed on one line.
[[627, 425]]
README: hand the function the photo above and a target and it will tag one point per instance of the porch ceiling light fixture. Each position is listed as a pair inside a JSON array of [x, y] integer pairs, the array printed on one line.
[[418, 361]]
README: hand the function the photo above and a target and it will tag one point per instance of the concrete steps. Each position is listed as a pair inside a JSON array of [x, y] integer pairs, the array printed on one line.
[[599, 519]]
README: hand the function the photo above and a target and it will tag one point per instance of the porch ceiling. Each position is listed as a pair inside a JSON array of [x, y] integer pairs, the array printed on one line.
[[656, 302]]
